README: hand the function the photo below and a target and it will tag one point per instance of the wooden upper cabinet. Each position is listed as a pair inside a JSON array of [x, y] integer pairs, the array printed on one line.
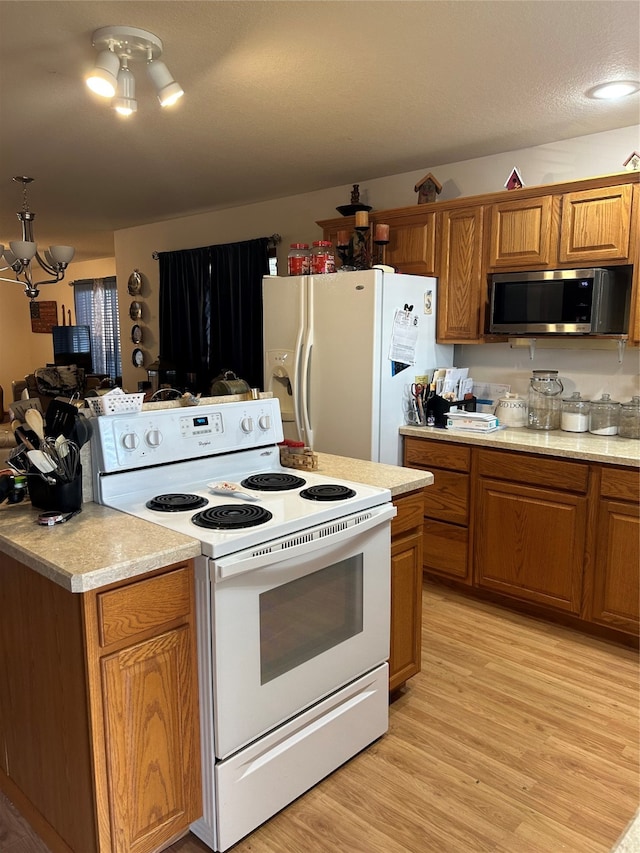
[[412, 240], [596, 225], [461, 284], [522, 233]]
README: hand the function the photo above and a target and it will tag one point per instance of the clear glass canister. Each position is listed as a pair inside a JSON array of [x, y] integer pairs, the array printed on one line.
[[575, 413], [299, 259], [545, 402], [630, 419], [604, 416], [323, 259]]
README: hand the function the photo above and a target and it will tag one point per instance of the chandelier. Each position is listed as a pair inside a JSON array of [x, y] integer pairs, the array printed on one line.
[[111, 77], [21, 253]]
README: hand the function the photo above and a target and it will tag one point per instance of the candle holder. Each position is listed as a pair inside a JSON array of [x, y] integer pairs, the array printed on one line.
[[381, 253]]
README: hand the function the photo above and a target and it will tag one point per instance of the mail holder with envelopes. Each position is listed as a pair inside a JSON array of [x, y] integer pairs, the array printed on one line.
[[438, 408]]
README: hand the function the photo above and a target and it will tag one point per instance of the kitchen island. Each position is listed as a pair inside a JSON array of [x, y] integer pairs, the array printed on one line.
[[548, 522], [99, 735]]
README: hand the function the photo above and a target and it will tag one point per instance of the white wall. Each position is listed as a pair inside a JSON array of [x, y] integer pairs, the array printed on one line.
[[592, 372], [294, 219]]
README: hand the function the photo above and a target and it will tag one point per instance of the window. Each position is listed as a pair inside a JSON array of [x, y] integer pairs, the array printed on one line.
[[96, 304]]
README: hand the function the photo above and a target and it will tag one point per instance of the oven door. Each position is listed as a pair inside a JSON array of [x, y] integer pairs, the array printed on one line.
[[297, 620]]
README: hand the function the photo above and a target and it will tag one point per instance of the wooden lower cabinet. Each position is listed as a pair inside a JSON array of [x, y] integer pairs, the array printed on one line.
[[406, 589], [616, 586], [100, 710], [562, 536], [445, 549], [530, 543]]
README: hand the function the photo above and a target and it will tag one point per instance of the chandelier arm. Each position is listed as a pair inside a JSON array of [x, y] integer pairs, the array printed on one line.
[[45, 266]]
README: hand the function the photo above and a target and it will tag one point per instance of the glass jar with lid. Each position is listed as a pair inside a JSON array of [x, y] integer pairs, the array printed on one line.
[[604, 416], [630, 418], [299, 259], [323, 259], [545, 402], [575, 413]]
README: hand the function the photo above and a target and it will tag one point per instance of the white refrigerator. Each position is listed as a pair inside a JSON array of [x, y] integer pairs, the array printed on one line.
[[335, 354]]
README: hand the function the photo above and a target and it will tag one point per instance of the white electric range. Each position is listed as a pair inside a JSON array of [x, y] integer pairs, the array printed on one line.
[[292, 597]]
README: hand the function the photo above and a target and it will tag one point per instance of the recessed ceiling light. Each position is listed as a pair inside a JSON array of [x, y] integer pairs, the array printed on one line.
[[614, 89]]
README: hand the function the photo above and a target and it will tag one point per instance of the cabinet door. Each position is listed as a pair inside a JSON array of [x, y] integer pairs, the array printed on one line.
[[530, 543], [616, 591], [406, 608], [412, 242], [150, 702], [406, 589], [596, 225], [523, 233], [462, 291]]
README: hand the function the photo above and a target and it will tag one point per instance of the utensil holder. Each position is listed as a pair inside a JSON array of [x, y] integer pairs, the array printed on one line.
[[65, 497]]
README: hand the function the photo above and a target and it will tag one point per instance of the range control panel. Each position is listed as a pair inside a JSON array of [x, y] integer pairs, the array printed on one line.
[[154, 437]]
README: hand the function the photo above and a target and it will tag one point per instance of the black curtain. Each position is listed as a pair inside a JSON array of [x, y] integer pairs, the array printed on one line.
[[210, 310]]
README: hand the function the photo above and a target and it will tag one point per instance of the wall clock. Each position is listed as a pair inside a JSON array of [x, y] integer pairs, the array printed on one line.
[[137, 358]]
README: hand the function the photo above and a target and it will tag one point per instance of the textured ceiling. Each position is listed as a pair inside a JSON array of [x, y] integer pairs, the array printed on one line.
[[289, 97]]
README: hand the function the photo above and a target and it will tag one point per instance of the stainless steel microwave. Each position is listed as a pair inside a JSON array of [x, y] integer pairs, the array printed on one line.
[[560, 302]]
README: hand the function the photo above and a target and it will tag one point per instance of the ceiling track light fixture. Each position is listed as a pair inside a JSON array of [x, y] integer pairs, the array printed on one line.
[[111, 76], [21, 253]]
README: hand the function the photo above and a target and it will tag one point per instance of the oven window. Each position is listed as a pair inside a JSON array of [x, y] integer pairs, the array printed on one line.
[[305, 617]]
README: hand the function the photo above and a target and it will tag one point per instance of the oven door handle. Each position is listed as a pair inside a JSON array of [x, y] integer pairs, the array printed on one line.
[[307, 540]]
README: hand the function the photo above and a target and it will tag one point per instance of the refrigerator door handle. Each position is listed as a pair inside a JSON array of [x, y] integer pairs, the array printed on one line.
[[297, 387], [304, 405], [305, 366]]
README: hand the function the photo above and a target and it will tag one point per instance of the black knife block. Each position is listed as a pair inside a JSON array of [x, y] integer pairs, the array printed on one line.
[[438, 408]]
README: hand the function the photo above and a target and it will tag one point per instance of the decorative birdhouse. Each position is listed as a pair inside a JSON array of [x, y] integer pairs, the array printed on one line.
[[514, 181], [428, 188], [632, 163]]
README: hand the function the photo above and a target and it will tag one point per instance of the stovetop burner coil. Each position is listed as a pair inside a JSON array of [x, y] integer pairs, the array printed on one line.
[[273, 481], [327, 492], [232, 516], [176, 502]]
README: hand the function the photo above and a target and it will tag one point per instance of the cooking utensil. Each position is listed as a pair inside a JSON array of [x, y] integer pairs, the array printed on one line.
[[60, 418], [82, 431], [35, 421], [41, 461], [26, 437], [230, 490]]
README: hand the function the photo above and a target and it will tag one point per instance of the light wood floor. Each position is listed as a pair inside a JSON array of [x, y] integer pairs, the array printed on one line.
[[517, 737]]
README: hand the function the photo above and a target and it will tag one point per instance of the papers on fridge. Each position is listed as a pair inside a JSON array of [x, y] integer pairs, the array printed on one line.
[[404, 337]]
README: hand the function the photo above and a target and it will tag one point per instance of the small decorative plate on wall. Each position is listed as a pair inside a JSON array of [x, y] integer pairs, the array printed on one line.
[[134, 285], [135, 310], [136, 334], [137, 358]]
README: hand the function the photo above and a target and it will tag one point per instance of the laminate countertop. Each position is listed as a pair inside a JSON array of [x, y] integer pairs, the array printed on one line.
[[610, 450], [100, 546]]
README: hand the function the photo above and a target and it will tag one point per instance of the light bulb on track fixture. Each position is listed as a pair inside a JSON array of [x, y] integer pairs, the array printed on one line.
[[112, 77], [125, 102], [20, 254]]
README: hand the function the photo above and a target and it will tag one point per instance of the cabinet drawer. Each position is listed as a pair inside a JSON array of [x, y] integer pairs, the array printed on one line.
[[445, 548], [144, 605], [616, 483], [419, 452], [448, 498], [537, 471], [410, 512]]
